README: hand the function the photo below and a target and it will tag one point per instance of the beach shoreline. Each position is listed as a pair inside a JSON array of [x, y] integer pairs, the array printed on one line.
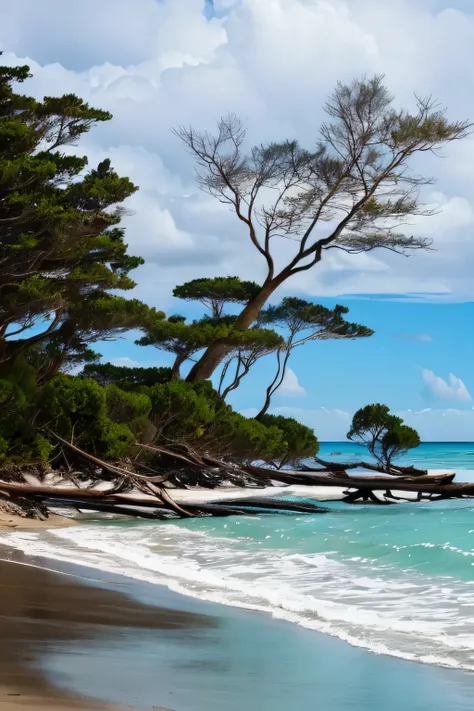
[[108, 634], [44, 609]]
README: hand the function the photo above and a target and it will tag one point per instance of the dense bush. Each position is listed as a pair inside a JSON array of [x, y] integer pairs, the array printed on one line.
[[300, 441], [77, 410], [126, 378], [20, 440], [194, 412]]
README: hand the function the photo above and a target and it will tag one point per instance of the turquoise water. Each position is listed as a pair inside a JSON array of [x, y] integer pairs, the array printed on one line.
[[241, 661], [455, 456], [396, 580]]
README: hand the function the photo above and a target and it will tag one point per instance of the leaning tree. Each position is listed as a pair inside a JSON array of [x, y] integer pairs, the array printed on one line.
[[185, 340], [354, 191], [302, 322]]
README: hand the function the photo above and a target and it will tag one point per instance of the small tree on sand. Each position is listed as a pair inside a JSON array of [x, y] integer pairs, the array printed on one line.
[[354, 191], [385, 435]]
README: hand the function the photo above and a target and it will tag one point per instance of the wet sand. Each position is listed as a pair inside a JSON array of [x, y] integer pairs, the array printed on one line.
[[31, 524], [40, 611]]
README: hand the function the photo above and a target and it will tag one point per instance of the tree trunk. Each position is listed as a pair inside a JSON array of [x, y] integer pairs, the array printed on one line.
[[205, 367], [175, 368], [237, 379], [277, 381]]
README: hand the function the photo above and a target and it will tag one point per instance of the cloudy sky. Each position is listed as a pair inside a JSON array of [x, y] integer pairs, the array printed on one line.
[[156, 64]]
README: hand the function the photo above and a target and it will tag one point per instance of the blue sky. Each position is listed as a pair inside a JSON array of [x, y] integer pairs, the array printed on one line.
[[415, 344], [157, 64]]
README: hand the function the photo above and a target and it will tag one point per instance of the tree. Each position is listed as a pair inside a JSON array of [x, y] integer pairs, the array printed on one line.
[[398, 439], [184, 340], [60, 246], [304, 321], [216, 292], [385, 435], [354, 192], [126, 378], [246, 357], [95, 317], [300, 441], [181, 339]]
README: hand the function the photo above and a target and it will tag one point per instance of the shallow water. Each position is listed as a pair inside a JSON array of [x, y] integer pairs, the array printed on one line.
[[242, 660], [397, 580]]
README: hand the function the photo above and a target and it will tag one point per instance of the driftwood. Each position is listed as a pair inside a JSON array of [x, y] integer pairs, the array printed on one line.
[[395, 470], [145, 489]]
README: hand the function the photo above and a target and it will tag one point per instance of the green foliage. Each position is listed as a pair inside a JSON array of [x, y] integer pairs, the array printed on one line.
[[129, 408], [78, 410], [214, 293], [186, 339], [126, 378], [397, 440], [61, 248], [299, 316], [20, 441], [242, 438], [181, 411], [384, 434], [300, 440], [194, 413]]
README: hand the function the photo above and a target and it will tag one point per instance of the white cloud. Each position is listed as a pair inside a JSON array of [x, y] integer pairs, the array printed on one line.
[[156, 65], [290, 386], [451, 389], [126, 362], [415, 337], [441, 425], [331, 424]]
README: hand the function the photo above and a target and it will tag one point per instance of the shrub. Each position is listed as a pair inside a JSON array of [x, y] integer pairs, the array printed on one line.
[[300, 440], [126, 378], [76, 409]]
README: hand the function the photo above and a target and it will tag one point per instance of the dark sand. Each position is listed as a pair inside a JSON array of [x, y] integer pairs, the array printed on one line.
[[40, 611]]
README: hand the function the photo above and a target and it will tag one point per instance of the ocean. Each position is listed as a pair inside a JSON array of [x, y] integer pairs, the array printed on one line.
[[396, 580]]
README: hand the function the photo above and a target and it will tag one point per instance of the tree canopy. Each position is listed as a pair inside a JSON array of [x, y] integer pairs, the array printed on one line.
[[385, 435], [303, 321], [216, 292], [355, 191], [61, 249], [65, 269], [184, 340]]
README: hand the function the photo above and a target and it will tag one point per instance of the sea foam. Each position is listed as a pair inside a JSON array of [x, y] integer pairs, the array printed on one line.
[[386, 599]]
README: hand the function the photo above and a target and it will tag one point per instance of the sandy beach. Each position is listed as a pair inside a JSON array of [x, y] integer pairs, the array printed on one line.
[[76, 637], [40, 610]]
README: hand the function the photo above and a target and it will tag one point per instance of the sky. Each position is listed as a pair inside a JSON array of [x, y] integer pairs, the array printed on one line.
[[158, 64]]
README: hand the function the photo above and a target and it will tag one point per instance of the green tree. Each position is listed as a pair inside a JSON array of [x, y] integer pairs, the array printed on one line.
[[126, 378], [79, 410], [303, 321], [354, 192], [184, 340], [398, 440], [215, 293], [60, 245], [384, 435], [300, 441], [95, 317]]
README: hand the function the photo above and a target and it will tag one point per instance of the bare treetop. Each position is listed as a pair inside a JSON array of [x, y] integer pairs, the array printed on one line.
[[354, 191], [356, 180]]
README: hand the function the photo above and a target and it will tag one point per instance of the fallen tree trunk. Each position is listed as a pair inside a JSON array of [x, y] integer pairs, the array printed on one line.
[[395, 469]]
